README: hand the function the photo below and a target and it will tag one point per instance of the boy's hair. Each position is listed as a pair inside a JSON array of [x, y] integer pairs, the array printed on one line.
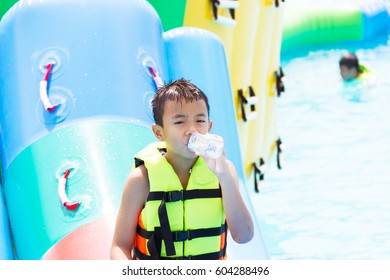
[[178, 91], [350, 60]]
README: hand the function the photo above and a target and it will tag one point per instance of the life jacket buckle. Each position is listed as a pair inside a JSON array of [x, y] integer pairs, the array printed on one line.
[[182, 235], [174, 196]]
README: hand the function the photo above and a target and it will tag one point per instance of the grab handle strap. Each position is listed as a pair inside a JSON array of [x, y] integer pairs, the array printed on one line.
[[157, 79], [43, 90], [279, 81], [251, 100], [62, 192], [258, 170], [228, 4], [279, 149], [277, 3]]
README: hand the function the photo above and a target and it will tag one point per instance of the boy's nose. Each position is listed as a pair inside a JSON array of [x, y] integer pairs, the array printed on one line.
[[191, 129]]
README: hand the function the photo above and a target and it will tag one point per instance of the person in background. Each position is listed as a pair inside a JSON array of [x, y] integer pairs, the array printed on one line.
[[350, 68]]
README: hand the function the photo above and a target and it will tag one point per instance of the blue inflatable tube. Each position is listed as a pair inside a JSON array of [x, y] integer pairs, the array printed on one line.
[[89, 78], [6, 252], [102, 84], [376, 21]]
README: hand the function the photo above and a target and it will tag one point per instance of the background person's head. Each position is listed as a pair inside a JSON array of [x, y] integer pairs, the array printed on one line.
[[349, 67]]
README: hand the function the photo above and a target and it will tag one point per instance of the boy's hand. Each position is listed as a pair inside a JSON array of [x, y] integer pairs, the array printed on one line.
[[219, 165]]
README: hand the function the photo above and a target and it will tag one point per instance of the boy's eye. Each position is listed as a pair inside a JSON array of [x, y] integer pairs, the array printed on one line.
[[201, 121], [178, 122]]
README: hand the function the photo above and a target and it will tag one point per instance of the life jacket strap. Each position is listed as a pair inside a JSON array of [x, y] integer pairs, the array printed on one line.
[[154, 244], [180, 236], [166, 229], [182, 195], [166, 234], [138, 255]]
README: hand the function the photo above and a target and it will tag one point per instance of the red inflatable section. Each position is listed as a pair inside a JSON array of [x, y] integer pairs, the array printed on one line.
[[89, 242]]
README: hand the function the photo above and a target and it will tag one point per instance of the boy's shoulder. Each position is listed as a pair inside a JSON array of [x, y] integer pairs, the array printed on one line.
[[150, 152], [138, 182], [138, 178]]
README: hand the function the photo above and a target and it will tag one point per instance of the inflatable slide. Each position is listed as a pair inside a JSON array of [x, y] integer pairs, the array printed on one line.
[[6, 251], [75, 108]]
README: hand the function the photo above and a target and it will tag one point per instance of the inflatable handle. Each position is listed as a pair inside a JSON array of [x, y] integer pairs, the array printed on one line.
[[251, 101], [279, 82], [43, 90], [229, 4], [277, 3], [258, 171], [62, 192], [251, 116], [279, 149], [157, 80], [225, 21]]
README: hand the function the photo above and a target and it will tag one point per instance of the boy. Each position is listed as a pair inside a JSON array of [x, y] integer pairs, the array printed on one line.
[[350, 68], [176, 204]]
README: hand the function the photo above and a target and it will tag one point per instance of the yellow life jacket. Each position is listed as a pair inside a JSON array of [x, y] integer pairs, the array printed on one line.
[[365, 73], [191, 222]]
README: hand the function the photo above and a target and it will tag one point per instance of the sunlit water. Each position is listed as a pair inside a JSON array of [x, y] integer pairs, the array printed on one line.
[[331, 200]]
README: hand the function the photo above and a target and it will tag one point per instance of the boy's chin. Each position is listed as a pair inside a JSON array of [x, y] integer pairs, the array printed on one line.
[[191, 155]]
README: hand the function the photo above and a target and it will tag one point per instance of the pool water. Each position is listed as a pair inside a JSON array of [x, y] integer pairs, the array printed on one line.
[[331, 200]]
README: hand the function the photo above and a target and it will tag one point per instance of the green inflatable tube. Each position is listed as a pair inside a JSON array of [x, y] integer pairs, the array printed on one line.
[[99, 155], [5, 5], [308, 26], [171, 14]]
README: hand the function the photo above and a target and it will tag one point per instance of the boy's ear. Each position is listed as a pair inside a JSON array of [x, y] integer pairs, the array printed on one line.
[[210, 125], [158, 132]]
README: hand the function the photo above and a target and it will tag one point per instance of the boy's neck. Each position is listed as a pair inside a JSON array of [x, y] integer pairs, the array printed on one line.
[[182, 167]]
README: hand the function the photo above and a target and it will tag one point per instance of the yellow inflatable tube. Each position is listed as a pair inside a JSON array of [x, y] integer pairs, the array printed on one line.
[[252, 41], [271, 142], [199, 13], [264, 34], [241, 66]]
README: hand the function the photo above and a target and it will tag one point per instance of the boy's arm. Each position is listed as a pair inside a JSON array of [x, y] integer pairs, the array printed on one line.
[[237, 215], [134, 196]]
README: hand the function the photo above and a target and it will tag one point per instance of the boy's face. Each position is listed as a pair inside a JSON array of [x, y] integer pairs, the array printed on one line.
[[348, 74], [180, 119]]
